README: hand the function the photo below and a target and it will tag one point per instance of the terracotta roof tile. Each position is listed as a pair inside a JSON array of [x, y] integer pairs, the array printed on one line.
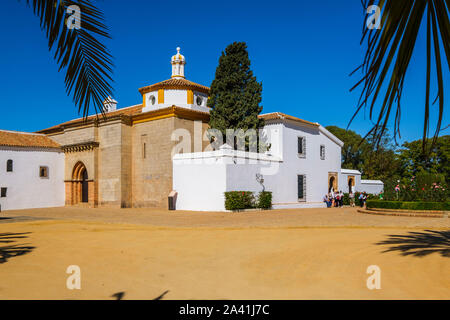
[[129, 111], [175, 84], [281, 116], [22, 139]]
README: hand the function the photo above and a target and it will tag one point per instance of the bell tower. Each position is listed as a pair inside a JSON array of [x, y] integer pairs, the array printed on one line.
[[178, 61]]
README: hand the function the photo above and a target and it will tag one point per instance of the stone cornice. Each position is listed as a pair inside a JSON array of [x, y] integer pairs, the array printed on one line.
[[94, 121], [79, 147], [170, 112]]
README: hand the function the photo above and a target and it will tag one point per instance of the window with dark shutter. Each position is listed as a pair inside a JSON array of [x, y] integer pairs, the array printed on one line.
[[301, 146], [3, 192], [322, 152], [301, 187], [43, 172], [9, 166]]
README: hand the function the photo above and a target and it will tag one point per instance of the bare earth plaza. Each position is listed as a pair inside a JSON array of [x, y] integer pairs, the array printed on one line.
[[144, 160], [279, 254]]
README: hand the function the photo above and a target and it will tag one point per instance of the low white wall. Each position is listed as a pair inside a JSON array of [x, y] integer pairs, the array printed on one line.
[[201, 179], [199, 186], [371, 186], [25, 189], [343, 180]]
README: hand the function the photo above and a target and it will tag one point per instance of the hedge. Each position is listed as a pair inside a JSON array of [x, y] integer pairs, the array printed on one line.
[[357, 201], [265, 200], [240, 200], [408, 205]]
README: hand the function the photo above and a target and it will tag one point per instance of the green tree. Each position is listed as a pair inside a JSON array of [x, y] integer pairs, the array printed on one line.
[[353, 149], [235, 94], [388, 55], [73, 35], [374, 160], [414, 162], [381, 161]]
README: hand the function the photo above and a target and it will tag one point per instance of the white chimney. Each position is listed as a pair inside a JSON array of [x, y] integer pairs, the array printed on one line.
[[110, 104]]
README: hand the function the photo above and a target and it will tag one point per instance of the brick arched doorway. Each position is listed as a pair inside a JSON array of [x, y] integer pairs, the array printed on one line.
[[332, 182], [81, 189], [80, 184], [351, 183]]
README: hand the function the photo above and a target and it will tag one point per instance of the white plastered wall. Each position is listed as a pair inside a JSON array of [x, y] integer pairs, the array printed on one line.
[[25, 189]]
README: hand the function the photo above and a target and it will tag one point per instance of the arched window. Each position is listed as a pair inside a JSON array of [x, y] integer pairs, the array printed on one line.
[[9, 166]]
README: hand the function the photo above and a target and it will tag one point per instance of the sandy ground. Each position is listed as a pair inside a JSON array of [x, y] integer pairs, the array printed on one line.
[[333, 217], [286, 254]]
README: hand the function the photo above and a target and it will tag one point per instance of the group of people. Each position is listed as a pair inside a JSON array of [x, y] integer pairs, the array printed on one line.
[[336, 199]]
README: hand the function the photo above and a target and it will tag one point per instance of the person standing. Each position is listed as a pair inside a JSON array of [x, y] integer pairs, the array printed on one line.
[[351, 197], [327, 200], [364, 200], [361, 201]]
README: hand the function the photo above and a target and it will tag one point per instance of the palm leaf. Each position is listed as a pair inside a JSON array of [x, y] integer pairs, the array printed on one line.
[[86, 61], [388, 55]]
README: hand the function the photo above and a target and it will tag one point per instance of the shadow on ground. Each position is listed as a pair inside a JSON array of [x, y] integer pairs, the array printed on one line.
[[120, 295], [13, 250], [420, 244]]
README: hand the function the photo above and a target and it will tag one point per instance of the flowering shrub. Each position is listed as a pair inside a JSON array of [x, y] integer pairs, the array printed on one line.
[[239, 200], [424, 187]]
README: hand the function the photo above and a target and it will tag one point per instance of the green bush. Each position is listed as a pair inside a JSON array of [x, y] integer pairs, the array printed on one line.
[[239, 200], [425, 187], [368, 195], [265, 200], [408, 205], [346, 199]]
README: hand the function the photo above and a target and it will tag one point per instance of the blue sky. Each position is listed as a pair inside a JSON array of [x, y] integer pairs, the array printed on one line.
[[302, 51]]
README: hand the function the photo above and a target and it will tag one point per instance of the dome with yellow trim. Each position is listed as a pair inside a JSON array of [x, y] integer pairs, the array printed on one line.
[[176, 91], [178, 57]]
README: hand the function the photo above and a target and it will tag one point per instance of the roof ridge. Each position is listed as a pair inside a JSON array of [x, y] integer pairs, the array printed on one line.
[[26, 140], [97, 114], [23, 132], [175, 82]]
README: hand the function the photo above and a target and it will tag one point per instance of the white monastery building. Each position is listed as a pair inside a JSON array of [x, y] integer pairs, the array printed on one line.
[[31, 172], [139, 155]]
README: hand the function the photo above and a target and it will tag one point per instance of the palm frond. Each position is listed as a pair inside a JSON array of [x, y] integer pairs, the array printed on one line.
[[388, 56], [86, 61]]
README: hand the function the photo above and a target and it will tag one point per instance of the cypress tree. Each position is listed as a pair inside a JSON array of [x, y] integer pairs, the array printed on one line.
[[235, 94]]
